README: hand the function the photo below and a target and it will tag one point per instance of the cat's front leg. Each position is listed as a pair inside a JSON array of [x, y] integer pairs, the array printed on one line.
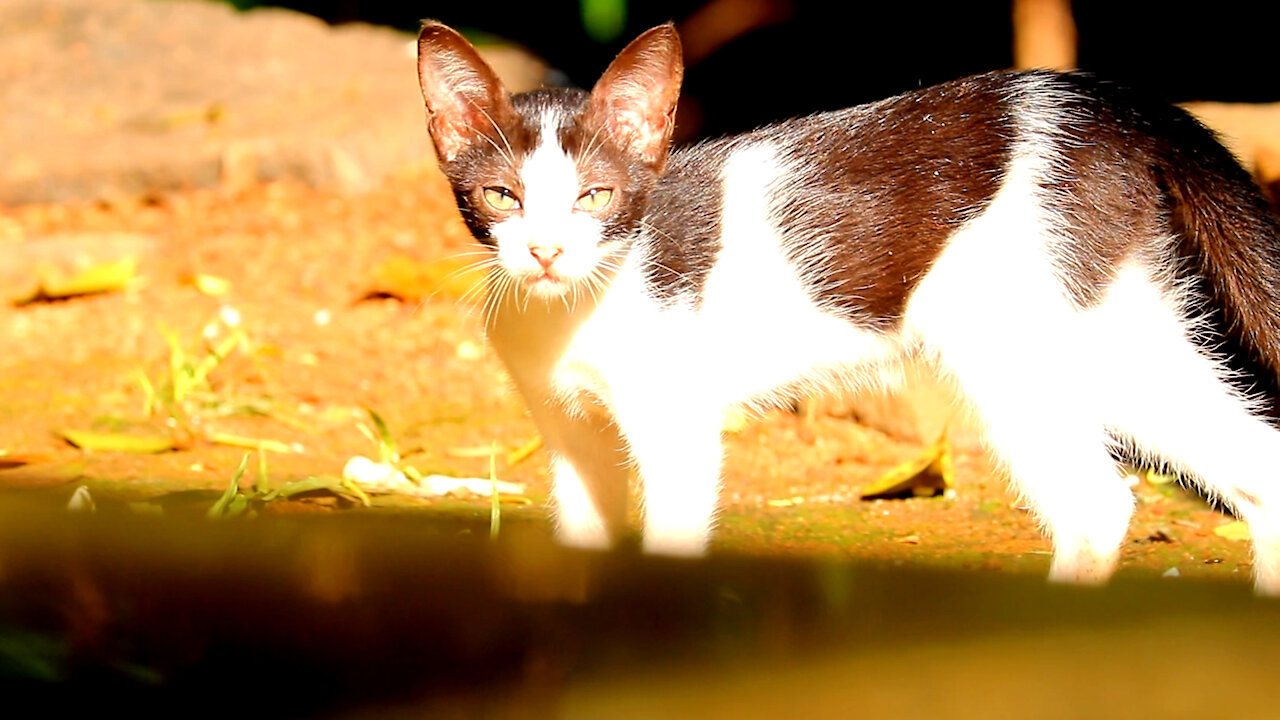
[[580, 521], [675, 443], [590, 473]]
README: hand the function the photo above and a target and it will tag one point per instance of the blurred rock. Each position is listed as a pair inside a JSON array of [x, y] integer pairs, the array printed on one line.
[[119, 98]]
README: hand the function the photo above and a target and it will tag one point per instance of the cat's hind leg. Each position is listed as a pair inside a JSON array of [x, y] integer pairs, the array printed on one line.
[[994, 317], [1040, 426], [1172, 402]]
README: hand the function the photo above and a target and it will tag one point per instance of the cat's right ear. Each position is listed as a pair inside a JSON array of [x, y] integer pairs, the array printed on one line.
[[463, 95], [636, 97]]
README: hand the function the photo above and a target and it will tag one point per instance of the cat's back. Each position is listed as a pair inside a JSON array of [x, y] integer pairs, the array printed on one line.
[[915, 164], [881, 187]]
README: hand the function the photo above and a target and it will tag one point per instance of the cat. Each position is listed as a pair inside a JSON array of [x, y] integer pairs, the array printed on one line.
[[1092, 270]]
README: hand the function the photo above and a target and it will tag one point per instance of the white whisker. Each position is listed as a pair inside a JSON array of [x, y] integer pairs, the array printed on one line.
[[509, 154]]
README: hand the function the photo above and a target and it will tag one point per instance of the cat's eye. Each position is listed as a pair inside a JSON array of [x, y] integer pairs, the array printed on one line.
[[500, 198], [595, 199]]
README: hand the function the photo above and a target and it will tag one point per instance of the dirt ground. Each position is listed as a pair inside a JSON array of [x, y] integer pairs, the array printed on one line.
[[305, 268], [349, 300]]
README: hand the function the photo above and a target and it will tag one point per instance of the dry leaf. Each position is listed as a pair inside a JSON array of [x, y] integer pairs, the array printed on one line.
[[117, 442], [55, 284], [928, 474]]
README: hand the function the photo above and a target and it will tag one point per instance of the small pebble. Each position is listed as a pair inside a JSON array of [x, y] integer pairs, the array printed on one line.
[[1171, 573]]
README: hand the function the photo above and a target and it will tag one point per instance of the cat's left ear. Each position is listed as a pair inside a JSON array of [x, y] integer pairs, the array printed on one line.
[[463, 95], [636, 97]]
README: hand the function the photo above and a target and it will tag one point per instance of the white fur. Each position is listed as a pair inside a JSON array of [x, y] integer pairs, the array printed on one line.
[[616, 379], [994, 316]]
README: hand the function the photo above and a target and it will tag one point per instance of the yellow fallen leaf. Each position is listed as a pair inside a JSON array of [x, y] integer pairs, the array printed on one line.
[[117, 442], [928, 474], [55, 284], [1233, 530]]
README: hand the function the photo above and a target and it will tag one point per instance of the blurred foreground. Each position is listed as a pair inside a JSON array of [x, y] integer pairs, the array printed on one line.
[[345, 616]]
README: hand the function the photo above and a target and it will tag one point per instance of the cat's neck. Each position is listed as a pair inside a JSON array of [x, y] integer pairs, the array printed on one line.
[[532, 332]]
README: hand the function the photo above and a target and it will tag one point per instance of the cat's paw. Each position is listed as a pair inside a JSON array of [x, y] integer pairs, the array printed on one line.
[[583, 535], [1081, 565], [676, 544]]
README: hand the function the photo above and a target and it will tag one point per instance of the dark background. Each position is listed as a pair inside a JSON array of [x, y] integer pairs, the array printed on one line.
[[830, 55]]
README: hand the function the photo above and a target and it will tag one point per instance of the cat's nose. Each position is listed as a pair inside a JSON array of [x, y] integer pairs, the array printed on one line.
[[545, 255]]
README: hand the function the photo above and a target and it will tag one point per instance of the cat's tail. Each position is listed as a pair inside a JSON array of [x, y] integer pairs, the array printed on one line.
[[1230, 237]]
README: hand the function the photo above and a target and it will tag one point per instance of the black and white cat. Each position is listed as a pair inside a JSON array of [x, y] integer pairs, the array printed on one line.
[[1093, 271]]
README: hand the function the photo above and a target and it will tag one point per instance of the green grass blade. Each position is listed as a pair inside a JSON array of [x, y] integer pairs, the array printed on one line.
[[150, 401], [179, 373], [386, 444], [220, 508]]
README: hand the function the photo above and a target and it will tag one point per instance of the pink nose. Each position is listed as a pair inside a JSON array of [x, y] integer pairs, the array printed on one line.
[[545, 255]]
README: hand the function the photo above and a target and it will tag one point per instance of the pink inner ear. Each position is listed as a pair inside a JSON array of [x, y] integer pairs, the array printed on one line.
[[457, 109], [462, 93], [646, 129], [636, 96], [451, 130]]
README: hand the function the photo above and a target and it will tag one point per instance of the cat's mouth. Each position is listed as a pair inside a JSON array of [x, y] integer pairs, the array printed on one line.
[[547, 283]]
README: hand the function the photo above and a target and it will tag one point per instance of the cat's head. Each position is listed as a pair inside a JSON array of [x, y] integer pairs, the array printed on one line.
[[554, 181]]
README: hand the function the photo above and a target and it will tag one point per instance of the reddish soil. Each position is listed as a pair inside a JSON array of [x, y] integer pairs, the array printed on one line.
[[303, 265]]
